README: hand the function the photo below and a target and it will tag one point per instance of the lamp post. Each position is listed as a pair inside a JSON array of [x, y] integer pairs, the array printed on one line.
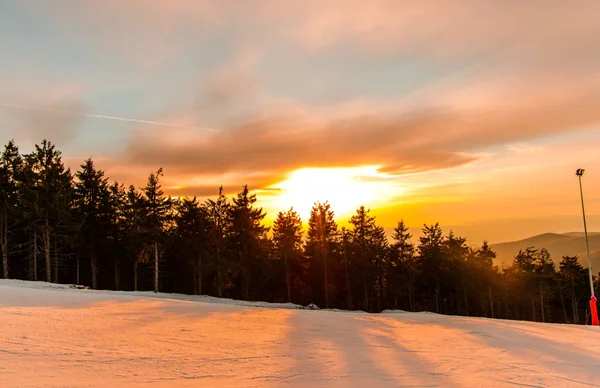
[[593, 308]]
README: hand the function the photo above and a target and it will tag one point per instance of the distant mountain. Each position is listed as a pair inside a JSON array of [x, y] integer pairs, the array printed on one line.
[[559, 245]]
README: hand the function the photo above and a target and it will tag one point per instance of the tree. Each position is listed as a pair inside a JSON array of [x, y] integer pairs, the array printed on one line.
[[92, 202], [157, 210], [247, 236], [431, 261], [118, 228], [192, 229], [483, 274], [320, 245], [219, 218], [287, 238], [51, 185], [573, 277], [370, 245], [545, 273], [456, 252], [401, 266], [10, 169]]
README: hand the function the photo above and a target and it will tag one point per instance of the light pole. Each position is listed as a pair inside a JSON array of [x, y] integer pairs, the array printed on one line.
[[593, 308]]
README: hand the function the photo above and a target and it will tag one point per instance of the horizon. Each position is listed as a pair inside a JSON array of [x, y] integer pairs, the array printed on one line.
[[479, 127]]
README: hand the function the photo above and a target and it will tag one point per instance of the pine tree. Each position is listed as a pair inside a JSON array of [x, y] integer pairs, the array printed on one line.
[[192, 228], [401, 267], [157, 210], [51, 186], [573, 277], [10, 170], [118, 226], [247, 236], [456, 252], [322, 238], [287, 238], [219, 217], [370, 246], [431, 261], [92, 202], [483, 274], [138, 245]]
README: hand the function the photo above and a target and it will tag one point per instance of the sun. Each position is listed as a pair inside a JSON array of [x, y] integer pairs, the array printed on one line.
[[346, 189]]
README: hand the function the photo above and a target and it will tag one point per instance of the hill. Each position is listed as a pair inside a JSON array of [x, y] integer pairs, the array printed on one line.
[[559, 245], [55, 336]]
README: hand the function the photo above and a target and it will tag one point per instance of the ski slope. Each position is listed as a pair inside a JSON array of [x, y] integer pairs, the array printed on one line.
[[51, 335]]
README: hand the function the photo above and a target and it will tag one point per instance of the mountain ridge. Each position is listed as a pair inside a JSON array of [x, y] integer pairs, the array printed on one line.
[[557, 244]]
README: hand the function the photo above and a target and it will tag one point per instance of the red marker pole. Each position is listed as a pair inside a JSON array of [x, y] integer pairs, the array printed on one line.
[[594, 311], [593, 306]]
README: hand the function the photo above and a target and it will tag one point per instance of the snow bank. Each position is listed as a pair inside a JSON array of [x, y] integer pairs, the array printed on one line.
[[52, 335]]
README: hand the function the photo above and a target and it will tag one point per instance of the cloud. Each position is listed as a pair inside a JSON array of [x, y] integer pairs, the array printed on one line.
[[49, 122], [521, 70], [155, 30]]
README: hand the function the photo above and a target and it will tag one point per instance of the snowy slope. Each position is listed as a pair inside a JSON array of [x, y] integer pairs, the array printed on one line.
[[51, 335]]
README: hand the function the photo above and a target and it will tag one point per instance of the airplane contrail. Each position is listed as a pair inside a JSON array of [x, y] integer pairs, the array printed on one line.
[[25, 107]]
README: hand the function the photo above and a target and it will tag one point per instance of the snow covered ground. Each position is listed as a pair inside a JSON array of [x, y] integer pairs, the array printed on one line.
[[51, 335]]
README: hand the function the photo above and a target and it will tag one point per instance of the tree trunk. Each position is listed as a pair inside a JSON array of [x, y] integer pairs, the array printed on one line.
[[55, 259], [437, 296], [77, 281], [533, 309], [410, 293], [117, 280], [30, 257], [4, 240], [491, 302], [94, 266], [574, 303], [562, 303], [219, 274], [155, 266], [245, 273], [326, 280], [348, 290], [287, 278], [35, 250], [542, 301], [200, 273], [47, 250], [366, 291], [465, 298], [135, 276], [195, 276]]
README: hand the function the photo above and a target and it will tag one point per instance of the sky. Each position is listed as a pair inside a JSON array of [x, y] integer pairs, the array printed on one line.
[[473, 114]]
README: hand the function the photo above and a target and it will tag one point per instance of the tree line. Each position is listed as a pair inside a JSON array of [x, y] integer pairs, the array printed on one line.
[[65, 227]]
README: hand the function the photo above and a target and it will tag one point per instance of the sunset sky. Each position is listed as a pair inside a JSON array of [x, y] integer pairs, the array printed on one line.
[[475, 114]]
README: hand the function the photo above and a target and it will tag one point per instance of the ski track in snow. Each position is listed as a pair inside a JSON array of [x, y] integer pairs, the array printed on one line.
[[53, 336]]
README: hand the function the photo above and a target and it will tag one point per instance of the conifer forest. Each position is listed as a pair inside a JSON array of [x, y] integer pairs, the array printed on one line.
[[78, 227]]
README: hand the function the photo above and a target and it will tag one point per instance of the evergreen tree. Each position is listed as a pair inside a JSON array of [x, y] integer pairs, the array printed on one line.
[[321, 241], [431, 262], [219, 217], [573, 282], [370, 245], [287, 238], [401, 267], [157, 210], [51, 186], [456, 252], [10, 169], [92, 202], [484, 276], [247, 237], [192, 231]]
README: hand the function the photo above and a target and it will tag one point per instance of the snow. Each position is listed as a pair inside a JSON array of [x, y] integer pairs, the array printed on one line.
[[51, 335]]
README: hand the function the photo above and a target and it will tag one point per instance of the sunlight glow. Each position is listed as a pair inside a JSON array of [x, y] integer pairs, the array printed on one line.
[[346, 189]]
